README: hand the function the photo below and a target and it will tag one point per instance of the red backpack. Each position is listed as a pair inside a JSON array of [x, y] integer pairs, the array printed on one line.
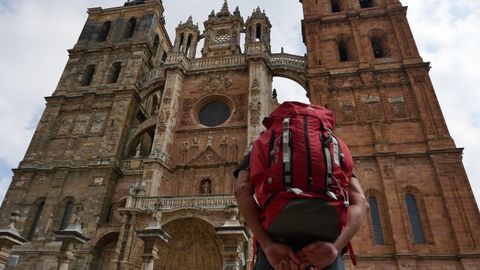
[[301, 173]]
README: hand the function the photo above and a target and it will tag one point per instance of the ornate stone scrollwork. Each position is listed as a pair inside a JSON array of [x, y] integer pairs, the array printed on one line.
[[186, 111], [373, 109], [219, 83], [81, 125], [397, 107], [64, 128]]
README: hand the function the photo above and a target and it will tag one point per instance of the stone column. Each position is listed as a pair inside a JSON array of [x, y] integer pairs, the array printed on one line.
[[233, 236], [9, 238], [153, 237], [69, 237]]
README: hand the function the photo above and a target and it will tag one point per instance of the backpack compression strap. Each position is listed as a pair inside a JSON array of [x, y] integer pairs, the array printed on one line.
[[327, 140], [287, 153]]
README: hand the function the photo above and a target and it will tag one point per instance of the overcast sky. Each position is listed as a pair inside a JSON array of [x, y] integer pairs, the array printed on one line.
[[35, 36]]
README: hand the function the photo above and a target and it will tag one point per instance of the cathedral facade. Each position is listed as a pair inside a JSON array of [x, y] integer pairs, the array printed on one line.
[[137, 144]]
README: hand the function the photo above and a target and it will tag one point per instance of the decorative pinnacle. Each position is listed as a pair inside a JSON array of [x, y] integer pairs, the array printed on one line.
[[225, 7], [237, 11]]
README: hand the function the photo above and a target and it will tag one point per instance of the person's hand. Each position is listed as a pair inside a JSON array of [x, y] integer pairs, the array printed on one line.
[[280, 256], [317, 255]]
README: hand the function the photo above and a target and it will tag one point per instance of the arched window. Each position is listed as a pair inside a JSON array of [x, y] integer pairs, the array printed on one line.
[[130, 30], [37, 212], [343, 51], [67, 214], [258, 32], [182, 38], [88, 76], [335, 6], [164, 55], [189, 44], [115, 72], [156, 43], [414, 217], [376, 222], [378, 48], [102, 36], [366, 3]]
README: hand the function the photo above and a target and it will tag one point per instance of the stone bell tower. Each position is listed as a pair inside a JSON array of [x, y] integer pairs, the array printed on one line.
[[186, 40], [363, 64]]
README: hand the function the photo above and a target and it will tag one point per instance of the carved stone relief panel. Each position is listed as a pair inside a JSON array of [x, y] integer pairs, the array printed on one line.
[[373, 108], [218, 83], [347, 111], [390, 78], [81, 125], [98, 123], [239, 101], [398, 107], [187, 111], [255, 107], [346, 82], [65, 125]]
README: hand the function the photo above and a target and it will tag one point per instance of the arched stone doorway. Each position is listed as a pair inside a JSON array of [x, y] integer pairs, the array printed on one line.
[[103, 252], [194, 245]]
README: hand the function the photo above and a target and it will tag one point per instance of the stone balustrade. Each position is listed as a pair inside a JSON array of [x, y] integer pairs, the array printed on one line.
[[278, 61], [288, 61], [152, 75], [223, 62], [173, 203]]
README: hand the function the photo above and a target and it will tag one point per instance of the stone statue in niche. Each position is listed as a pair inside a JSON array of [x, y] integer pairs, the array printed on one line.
[[210, 139], [184, 151], [255, 87], [224, 138], [185, 145], [138, 150], [254, 107], [206, 187], [195, 141]]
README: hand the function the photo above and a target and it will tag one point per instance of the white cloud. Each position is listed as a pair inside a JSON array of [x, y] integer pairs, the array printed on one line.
[[36, 34]]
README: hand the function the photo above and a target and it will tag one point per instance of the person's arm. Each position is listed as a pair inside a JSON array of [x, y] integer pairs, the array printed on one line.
[[322, 254], [277, 254]]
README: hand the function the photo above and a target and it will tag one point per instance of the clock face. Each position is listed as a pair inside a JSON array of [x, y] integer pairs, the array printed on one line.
[[214, 114]]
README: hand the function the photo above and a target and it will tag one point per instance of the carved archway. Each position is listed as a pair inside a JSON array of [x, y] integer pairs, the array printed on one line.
[[289, 66], [104, 251], [194, 245], [136, 134]]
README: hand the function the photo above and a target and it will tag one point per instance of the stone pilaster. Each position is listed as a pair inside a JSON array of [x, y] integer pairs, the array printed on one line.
[[259, 98], [153, 237]]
